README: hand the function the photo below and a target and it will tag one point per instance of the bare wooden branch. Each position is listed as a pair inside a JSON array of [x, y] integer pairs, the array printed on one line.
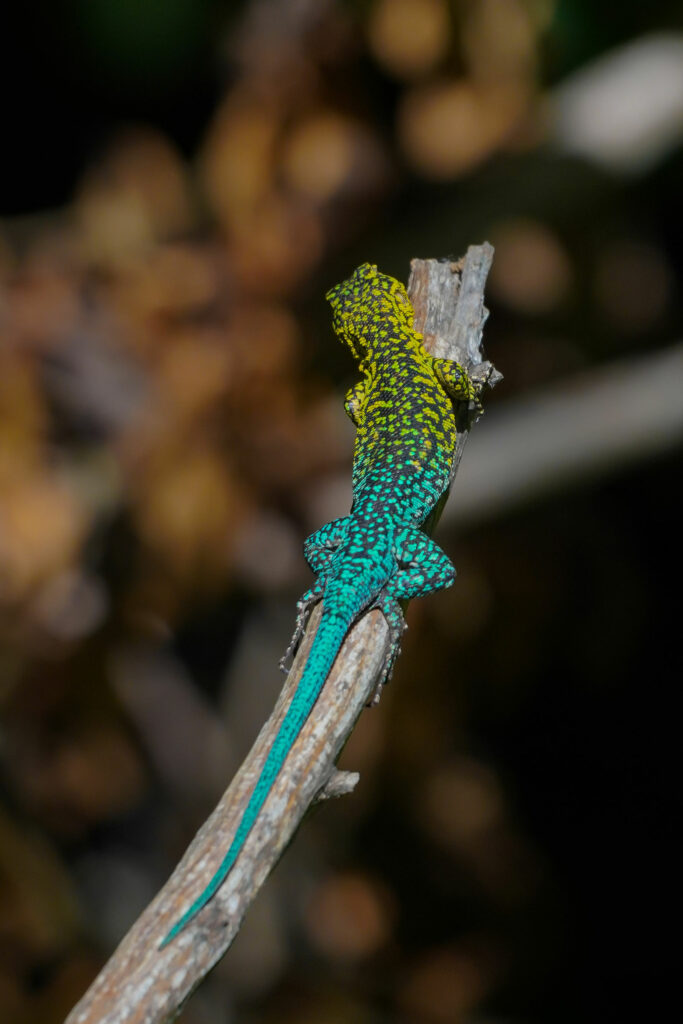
[[453, 329], [144, 985]]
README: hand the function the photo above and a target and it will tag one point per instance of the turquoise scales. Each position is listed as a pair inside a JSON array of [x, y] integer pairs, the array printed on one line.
[[377, 555]]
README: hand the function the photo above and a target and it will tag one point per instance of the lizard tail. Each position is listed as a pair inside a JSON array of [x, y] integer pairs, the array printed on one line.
[[328, 640]]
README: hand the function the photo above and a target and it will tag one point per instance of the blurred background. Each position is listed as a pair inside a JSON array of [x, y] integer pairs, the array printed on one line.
[[180, 183]]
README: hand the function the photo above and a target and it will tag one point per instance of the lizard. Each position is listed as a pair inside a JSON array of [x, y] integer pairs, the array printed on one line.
[[404, 411]]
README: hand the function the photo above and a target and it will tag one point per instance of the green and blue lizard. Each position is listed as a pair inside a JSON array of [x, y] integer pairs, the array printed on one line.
[[378, 555]]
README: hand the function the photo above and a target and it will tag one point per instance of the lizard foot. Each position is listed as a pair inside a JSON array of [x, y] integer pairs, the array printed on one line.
[[393, 613], [304, 608], [480, 376]]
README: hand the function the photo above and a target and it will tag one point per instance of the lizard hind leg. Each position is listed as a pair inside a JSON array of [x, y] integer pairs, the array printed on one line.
[[424, 568], [304, 607], [321, 545], [393, 613], [319, 550]]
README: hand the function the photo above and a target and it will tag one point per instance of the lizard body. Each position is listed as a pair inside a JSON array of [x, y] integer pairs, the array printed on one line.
[[377, 555]]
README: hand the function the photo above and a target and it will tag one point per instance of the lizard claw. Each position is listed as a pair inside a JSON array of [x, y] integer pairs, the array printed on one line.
[[304, 607], [393, 613]]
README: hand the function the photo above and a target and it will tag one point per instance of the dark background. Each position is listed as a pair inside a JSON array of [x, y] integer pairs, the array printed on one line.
[[180, 183]]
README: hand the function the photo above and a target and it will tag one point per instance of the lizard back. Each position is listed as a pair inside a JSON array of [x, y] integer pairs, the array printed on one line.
[[405, 417]]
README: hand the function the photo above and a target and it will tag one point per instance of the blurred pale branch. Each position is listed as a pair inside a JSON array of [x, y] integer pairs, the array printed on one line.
[[142, 984], [623, 110], [594, 425]]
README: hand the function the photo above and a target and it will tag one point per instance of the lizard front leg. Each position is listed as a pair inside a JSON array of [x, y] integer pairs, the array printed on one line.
[[458, 384], [354, 402]]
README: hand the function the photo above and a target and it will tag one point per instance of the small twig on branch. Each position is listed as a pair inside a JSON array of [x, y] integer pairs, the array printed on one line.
[[144, 985]]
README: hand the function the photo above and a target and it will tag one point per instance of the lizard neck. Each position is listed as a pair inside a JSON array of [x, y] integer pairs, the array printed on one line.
[[388, 342]]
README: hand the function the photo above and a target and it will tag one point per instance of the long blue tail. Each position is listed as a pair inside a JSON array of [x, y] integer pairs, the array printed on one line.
[[328, 640]]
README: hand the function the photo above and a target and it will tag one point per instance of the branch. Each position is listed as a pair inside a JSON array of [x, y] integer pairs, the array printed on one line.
[[144, 985]]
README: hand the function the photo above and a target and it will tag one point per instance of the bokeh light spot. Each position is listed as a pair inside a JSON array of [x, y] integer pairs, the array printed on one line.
[[409, 37], [532, 272]]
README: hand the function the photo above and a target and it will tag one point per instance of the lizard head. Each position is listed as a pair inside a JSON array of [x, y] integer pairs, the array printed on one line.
[[362, 304]]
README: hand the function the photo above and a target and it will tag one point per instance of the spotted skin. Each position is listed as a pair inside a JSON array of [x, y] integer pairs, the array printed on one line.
[[377, 556]]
